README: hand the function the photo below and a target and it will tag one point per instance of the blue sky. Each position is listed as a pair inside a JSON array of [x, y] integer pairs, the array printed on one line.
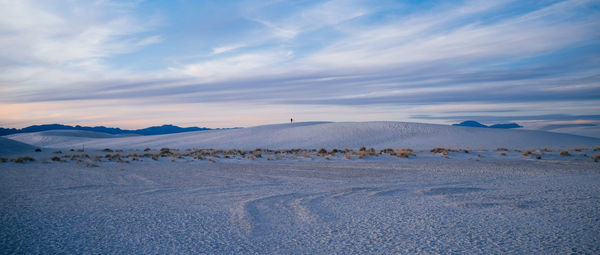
[[243, 63]]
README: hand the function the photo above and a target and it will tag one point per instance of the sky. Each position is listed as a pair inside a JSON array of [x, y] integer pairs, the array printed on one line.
[[134, 64]]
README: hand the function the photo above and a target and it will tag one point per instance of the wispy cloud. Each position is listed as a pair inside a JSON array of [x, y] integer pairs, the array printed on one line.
[[489, 56], [226, 48]]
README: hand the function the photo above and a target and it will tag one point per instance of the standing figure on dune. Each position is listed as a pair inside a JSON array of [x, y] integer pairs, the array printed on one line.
[[291, 120]]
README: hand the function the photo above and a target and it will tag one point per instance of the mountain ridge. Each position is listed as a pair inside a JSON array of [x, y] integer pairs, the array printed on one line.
[[472, 123], [153, 130]]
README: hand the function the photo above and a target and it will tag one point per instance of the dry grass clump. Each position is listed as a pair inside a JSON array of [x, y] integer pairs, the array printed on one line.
[[536, 153], [257, 154], [111, 157], [400, 153], [363, 152], [164, 152], [565, 153], [23, 159], [443, 151], [322, 152], [527, 153]]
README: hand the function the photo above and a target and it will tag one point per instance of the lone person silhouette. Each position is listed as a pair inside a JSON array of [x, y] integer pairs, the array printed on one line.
[[291, 120]]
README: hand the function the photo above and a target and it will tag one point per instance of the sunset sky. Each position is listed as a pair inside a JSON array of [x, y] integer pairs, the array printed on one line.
[[244, 63]]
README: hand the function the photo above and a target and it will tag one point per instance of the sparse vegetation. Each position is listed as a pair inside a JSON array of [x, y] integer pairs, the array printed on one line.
[[565, 153], [23, 159], [3, 160], [213, 155], [38, 150], [443, 151]]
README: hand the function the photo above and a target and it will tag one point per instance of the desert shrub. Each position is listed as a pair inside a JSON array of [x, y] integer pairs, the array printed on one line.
[[387, 151], [466, 151], [503, 154], [155, 156], [147, 149], [23, 159], [595, 158], [333, 152], [38, 150], [565, 153], [107, 150], [443, 151], [363, 149], [3, 160], [578, 149], [58, 152], [527, 153], [439, 150], [55, 158], [403, 153], [501, 149], [538, 156], [597, 148], [164, 152], [322, 152]]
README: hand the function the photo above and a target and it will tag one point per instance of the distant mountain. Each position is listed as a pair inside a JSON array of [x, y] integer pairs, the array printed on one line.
[[472, 123], [156, 130], [507, 125], [166, 129]]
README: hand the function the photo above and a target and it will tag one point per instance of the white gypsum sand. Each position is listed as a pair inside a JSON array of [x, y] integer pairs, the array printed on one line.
[[428, 206], [471, 198], [311, 135]]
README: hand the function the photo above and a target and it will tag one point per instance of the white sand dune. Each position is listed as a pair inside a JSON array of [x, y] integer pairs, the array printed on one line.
[[404, 207], [319, 134], [8, 146]]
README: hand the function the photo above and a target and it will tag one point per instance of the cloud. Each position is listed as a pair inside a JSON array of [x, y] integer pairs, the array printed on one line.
[[150, 40], [496, 55], [76, 36], [484, 118], [226, 48]]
